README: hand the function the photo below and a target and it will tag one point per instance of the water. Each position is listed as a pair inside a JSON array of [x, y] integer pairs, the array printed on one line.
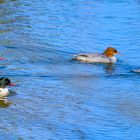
[[59, 99]]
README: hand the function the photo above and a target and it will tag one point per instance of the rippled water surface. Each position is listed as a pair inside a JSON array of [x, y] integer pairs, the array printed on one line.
[[59, 99]]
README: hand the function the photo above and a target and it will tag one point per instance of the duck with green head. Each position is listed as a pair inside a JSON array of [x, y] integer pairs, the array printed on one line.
[[4, 82]]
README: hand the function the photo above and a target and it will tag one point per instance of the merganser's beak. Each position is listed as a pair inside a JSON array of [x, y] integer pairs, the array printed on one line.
[[2, 58], [12, 84], [120, 54]]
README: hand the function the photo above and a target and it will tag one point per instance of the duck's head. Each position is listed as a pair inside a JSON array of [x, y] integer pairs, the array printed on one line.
[[5, 82], [110, 52]]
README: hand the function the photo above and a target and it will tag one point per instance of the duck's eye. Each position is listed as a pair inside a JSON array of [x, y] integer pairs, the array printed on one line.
[[115, 51], [7, 81]]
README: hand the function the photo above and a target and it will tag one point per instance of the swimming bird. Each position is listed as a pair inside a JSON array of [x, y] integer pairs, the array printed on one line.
[[136, 70], [106, 57], [4, 82]]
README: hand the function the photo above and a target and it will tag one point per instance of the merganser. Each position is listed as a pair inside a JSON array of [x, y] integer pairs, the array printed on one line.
[[4, 82], [137, 70], [106, 57]]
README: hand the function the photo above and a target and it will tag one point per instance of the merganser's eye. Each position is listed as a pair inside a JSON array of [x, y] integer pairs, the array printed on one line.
[[7, 81], [115, 51]]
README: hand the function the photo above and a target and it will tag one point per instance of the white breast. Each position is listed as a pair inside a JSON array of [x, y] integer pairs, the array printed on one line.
[[113, 59], [4, 92]]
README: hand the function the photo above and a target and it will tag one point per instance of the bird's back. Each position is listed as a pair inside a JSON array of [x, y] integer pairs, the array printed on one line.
[[95, 58]]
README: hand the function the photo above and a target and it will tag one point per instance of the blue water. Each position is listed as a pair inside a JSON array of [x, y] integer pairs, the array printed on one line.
[[59, 99]]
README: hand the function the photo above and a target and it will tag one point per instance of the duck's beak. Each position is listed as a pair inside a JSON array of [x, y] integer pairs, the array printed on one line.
[[12, 84], [2, 58], [120, 54]]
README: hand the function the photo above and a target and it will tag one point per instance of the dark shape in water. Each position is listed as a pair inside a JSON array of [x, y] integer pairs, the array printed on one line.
[[4, 103]]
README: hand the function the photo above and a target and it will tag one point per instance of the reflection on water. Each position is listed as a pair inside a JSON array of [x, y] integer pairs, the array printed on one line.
[[62, 99], [4, 103], [109, 68], [2, 1]]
